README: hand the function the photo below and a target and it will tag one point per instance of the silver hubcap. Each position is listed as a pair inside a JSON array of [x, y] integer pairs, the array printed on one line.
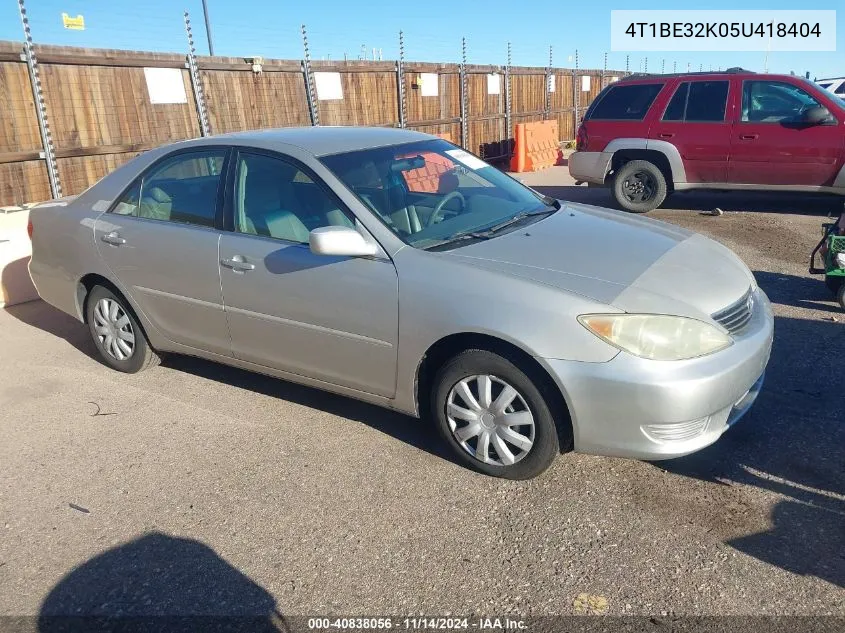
[[114, 329], [490, 420]]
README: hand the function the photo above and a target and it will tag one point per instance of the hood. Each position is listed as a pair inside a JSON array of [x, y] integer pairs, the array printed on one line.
[[632, 263]]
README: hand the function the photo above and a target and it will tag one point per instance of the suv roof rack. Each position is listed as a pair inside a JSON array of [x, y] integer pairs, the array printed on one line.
[[736, 70]]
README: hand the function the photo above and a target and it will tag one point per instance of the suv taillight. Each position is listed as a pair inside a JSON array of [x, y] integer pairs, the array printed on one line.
[[29, 228], [581, 138]]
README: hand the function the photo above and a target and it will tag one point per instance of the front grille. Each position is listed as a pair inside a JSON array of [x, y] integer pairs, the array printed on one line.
[[736, 316]]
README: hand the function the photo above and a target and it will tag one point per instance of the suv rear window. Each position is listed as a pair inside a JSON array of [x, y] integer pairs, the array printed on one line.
[[627, 103]]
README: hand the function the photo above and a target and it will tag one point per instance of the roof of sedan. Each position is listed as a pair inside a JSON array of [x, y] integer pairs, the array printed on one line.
[[323, 140]]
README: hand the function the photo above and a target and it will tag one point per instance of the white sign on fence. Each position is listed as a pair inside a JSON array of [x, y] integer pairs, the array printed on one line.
[[165, 85], [585, 83], [429, 84], [328, 86], [552, 83], [493, 84]]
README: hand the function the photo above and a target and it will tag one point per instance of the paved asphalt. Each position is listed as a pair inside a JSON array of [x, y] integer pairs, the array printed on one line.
[[194, 488]]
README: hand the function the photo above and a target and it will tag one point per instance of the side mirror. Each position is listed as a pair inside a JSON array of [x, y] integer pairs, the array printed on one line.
[[817, 115], [340, 241]]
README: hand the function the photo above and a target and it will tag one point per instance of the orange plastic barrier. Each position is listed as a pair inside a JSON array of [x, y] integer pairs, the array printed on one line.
[[537, 146]]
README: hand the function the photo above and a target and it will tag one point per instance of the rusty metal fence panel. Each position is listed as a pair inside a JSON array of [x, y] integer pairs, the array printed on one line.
[[238, 98], [101, 113], [23, 172]]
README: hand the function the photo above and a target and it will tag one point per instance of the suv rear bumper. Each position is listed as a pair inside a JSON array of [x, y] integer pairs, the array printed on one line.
[[590, 166]]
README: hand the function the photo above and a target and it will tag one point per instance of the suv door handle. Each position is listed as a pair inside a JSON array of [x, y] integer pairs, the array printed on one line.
[[238, 264], [667, 134], [113, 238], [748, 137]]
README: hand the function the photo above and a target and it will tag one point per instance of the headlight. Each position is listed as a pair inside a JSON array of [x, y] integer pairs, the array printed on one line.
[[657, 336]]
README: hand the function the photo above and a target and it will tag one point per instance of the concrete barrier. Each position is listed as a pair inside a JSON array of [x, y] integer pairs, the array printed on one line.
[[15, 251]]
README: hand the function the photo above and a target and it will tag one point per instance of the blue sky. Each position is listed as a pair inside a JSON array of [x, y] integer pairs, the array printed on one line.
[[433, 30]]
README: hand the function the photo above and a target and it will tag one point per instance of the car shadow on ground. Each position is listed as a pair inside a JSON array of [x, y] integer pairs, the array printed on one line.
[[413, 431], [158, 582], [768, 202], [800, 292], [410, 430], [790, 443]]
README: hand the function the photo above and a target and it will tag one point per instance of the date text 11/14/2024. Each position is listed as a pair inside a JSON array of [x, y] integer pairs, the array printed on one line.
[[417, 623]]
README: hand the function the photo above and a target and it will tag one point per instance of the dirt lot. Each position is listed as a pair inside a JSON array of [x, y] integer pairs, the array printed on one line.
[[197, 488]]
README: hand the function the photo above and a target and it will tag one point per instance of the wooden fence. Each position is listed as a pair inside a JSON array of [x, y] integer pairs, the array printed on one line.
[[99, 111]]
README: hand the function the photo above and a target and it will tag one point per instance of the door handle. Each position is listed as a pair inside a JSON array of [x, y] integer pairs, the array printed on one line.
[[238, 264], [748, 137], [113, 238], [667, 134]]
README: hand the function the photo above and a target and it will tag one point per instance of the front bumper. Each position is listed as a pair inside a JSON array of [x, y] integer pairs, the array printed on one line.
[[589, 166], [632, 407]]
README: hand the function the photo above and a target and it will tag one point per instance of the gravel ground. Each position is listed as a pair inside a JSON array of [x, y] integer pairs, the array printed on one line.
[[195, 488]]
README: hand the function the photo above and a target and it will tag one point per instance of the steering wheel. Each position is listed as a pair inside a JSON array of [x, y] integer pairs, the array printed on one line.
[[437, 209]]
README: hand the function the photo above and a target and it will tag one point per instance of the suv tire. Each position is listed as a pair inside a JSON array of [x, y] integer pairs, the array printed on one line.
[[639, 186]]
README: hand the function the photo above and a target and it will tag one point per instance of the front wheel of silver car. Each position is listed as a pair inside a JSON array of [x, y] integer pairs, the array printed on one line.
[[116, 332], [493, 416]]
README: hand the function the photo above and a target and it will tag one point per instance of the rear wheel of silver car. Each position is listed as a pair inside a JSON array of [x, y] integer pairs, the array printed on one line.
[[639, 186], [116, 332], [493, 416]]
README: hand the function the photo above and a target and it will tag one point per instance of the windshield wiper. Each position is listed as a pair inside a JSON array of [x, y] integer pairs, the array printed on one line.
[[459, 237], [488, 232], [548, 210]]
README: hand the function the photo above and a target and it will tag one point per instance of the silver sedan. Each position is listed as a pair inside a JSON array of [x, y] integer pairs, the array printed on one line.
[[394, 267]]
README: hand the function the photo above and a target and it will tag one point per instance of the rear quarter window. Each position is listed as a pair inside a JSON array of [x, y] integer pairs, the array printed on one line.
[[625, 103]]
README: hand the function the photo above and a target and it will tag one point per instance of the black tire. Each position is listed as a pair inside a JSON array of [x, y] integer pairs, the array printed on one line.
[[546, 444], [142, 356], [840, 296], [639, 186]]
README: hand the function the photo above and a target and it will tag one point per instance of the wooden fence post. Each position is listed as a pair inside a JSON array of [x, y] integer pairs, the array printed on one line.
[[196, 81], [547, 103], [310, 92], [400, 80], [576, 95], [508, 126], [48, 153], [464, 96]]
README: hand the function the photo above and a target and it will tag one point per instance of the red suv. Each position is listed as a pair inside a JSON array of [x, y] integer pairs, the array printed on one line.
[[647, 136]]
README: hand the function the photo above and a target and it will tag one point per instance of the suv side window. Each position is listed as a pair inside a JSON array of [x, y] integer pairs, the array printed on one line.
[[677, 108], [766, 101], [698, 102], [625, 103], [275, 198], [182, 188]]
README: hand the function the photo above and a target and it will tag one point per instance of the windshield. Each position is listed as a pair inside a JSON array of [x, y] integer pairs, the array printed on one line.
[[830, 95], [431, 192]]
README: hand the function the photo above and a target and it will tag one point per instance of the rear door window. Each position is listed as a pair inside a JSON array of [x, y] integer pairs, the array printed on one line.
[[707, 101], [677, 107], [698, 101], [625, 103], [182, 188]]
